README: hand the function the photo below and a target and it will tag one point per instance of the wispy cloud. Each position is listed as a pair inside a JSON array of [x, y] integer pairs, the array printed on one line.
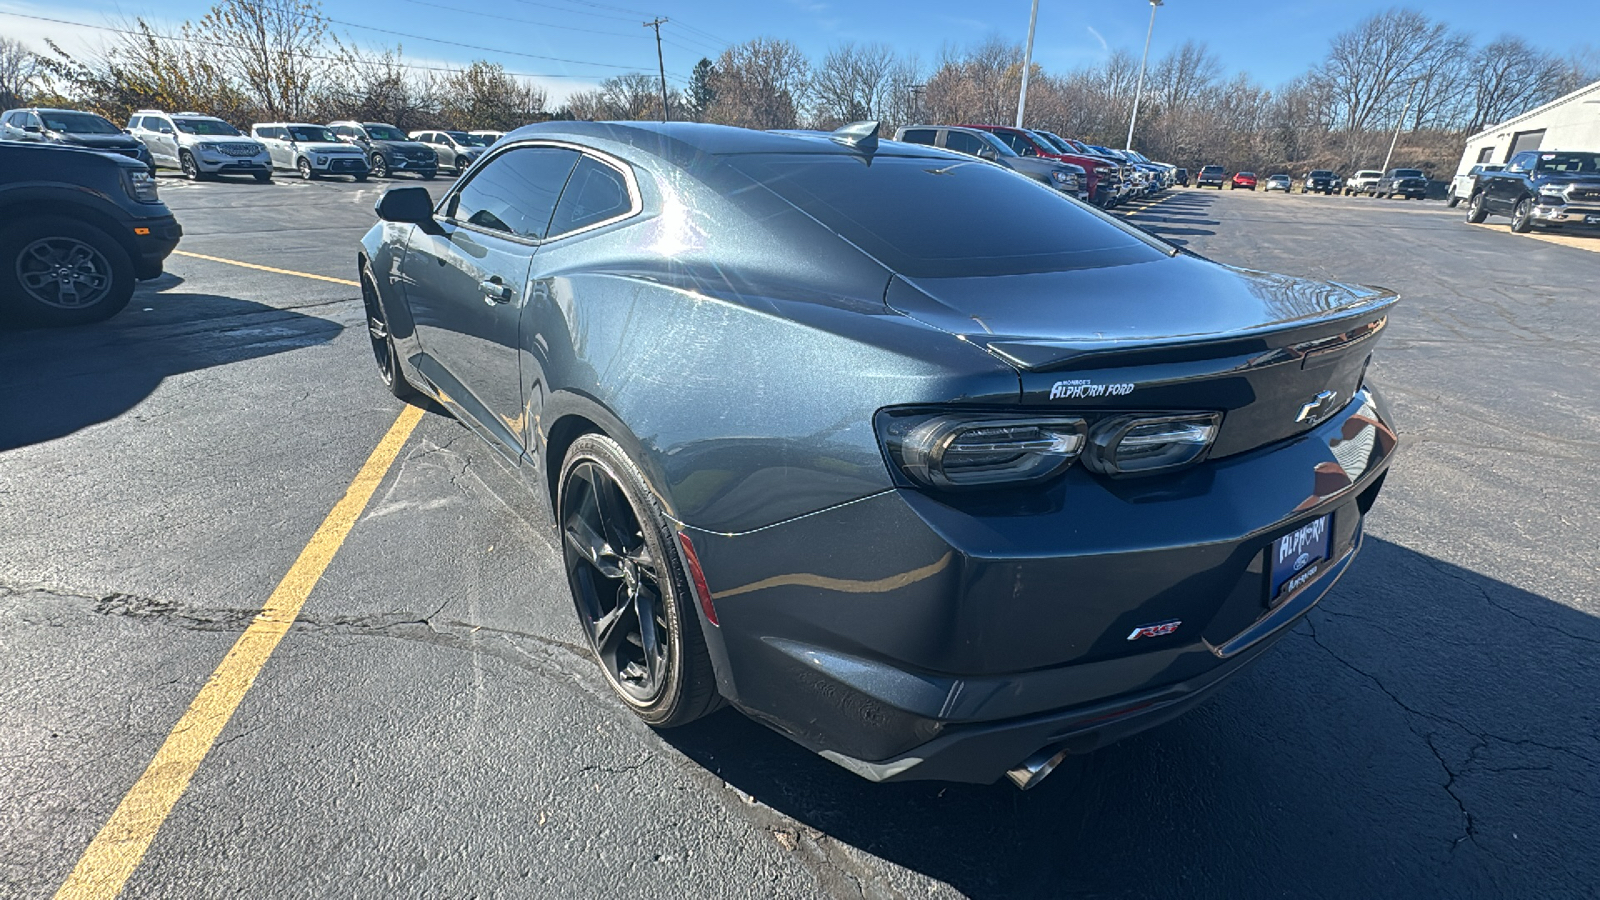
[[1103, 45]]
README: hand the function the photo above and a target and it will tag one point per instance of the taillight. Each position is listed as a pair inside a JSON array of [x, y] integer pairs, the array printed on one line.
[[1139, 445], [697, 578], [977, 449]]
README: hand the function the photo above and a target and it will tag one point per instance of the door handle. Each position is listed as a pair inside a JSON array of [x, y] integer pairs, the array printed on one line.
[[495, 291]]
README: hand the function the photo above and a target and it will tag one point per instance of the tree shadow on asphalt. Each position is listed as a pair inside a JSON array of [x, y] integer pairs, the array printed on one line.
[[60, 380], [1427, 731]]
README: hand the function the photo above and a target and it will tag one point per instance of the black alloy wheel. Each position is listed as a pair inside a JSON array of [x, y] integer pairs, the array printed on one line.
[[1477, 211], [632, 597], [383, 348], [380, 166], [360, 178], [1522, 216], [1452, 201], [461, 167], [191, 169], [262, 177], [56, 271], [305, 169], [429, 174]]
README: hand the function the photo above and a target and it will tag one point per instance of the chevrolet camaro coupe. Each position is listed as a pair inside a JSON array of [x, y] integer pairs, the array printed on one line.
[[936, 470]]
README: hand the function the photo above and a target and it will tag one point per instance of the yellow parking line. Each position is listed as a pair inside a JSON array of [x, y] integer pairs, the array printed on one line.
[[235, 262], [1591, 243], [116, 851]]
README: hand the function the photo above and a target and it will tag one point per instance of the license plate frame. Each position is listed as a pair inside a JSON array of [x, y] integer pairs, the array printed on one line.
[[1296, 559]]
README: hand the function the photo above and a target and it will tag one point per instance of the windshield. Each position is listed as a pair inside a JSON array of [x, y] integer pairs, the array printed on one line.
[[460, 137], [1050, 140], [1408, 173], [311, 134], [1321, 173], [933, 218], [77, 123], [385, 133], [1574, 163], [206, 127]]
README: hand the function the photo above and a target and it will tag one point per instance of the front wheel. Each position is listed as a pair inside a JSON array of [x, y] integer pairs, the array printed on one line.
[[1522, 217], [56, 271], [263, 177], [191, 169], [380, 166], [429, 174], [359, 178], [632, 596], [383, 348], [1477, 210], [305, 170]]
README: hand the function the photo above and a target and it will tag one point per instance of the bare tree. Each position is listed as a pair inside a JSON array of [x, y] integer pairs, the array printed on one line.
[[1371, 68], [852, 84], [484, 95], [270, 48], [143, 66], [635, 96], [1510, 77], [20, 72], [978, 85], [380, 87], [761, 83]]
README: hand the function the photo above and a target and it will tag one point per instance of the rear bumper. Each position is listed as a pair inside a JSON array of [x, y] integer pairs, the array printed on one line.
[[904, 637]]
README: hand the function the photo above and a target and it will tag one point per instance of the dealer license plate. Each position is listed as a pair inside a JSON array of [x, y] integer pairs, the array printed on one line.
[[1300, 556]]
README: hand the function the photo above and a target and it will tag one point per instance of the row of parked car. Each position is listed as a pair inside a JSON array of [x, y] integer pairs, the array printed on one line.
[[1098, 175], [1409, 183], [204, 147]]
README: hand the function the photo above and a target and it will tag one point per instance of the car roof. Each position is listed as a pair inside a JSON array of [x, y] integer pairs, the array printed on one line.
[[682, 141]]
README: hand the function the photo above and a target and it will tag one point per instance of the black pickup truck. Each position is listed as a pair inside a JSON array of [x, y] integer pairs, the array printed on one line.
[[1545, 187], [77, 228], [1408, 183]]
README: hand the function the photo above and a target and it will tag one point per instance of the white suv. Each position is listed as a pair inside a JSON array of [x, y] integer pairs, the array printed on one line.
[[202, 146], [311, 150]]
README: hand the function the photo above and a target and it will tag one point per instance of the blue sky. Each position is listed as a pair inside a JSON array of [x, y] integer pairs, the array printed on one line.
[[583, 41]]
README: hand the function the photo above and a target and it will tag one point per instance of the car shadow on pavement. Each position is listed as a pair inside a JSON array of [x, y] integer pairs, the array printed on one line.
[[60, 380], [1427, 731], [1177, 218]]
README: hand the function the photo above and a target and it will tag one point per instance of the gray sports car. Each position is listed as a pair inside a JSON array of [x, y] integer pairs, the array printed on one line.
[[939, 472]]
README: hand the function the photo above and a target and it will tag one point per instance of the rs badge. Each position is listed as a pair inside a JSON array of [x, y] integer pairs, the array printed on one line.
[[1160, 629]]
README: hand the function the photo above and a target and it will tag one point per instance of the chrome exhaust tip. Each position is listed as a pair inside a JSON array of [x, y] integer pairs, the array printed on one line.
[[1036, 768]]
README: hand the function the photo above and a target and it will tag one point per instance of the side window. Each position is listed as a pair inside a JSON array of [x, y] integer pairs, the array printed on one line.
[[1522, 162], [135, 122], [919, 136], [595, 192], [961, 142], [516, 191]]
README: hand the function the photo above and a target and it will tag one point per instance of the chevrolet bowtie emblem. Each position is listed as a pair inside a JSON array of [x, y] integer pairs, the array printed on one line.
[[1320, 406]]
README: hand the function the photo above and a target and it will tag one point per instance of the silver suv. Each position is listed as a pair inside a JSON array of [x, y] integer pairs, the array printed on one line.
[[311, 150], [387, 148], [202, 146], [456, 149]]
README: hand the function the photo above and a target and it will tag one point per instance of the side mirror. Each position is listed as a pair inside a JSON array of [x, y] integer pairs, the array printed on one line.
[[408, 205], [32, 129], [988, 153]]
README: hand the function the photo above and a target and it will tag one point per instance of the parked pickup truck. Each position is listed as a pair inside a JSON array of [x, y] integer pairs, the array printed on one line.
[[1362, 182], [1466, 184], [1545, 187], [1321, 181], [1408, 183]]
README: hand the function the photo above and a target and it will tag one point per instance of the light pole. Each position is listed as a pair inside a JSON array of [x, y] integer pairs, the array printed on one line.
[[1398, 125], [1027, 63], [1142, 60]]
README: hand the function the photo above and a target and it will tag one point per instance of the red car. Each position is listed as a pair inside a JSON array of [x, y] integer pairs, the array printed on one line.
[[1027, 143], [1244, 180]]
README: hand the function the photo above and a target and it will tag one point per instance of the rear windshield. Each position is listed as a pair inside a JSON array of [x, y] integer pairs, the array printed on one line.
[[385, 133], [1211, 170], [932, 217]]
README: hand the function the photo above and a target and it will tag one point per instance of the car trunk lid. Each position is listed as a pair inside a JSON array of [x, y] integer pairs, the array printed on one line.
[[1275, 354]]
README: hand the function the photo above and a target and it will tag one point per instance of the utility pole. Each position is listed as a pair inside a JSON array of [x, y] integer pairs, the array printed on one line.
[[661, 64], [1134, 119], [1398, 125], [916, 101], [1027, 63]]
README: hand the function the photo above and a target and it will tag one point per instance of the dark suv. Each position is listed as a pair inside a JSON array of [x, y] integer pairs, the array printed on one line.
[[1321, 181], [388, 149], [77, 228], [1408, 183], [71, 126], [1211, 176]]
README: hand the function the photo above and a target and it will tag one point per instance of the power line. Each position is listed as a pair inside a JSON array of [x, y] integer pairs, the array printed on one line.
[[473, 12], [321, 58]]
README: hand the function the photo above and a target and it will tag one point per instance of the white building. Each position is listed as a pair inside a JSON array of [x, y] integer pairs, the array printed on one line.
[[1568, 123]]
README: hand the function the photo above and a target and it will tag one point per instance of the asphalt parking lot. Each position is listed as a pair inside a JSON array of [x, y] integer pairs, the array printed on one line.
[[430, 727]]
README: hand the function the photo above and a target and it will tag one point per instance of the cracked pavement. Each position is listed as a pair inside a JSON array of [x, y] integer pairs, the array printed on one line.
[[432, 727]]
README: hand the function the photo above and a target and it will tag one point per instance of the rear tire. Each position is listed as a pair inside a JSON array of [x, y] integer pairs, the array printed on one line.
[[629, 588], [58, 271], [430, 174], [1452, 201], [1477, 209]]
